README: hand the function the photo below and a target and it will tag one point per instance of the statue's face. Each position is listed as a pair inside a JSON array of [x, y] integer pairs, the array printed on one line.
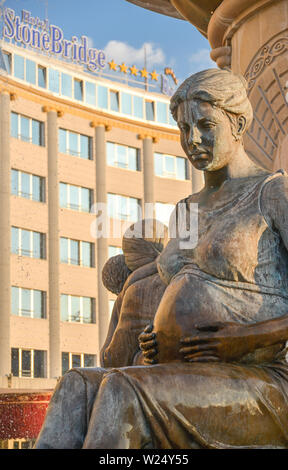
[[206, 135]]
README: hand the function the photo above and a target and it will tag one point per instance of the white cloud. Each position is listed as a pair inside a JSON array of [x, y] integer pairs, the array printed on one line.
[[123, 52], [201, 60]]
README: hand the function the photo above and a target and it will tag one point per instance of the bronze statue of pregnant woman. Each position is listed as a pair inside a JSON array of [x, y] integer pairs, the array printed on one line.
[[214, 372]]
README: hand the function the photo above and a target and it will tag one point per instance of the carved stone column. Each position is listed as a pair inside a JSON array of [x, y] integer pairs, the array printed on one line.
[[5, 234]]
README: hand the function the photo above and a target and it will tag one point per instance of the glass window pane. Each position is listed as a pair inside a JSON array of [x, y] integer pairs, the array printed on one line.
[[149, 105], [102, 97], [38, 307], [121, 156], [65, 362], [25, 242], [26, 302], [7, 61], [110, 149], [181, 168], [36, 133], [14, 125], [15, 362], [114, 250], [14, 240], [74, 252], [26, 363], [87, 310], [64, 307], [36, 188], [76, 360], [162, 112], [37, 245], [14, 182], [66, 85], [63, 195], [132, 158], [169, 164], [39, 364], [172, 121], [31, 71], [25, 185], [15, 300], [73, 144], [85, 199], [133, 209], [54, 80], [126, 103], [90, 93], [41, 76], [123, 208], [19, 66], [25, 134], [84, 146], [78, 90], [89, 360], [138, 107], [111, 200], [62, 141], [64, 250], [86, 253], [74, 197], [75, 308], [114, 100], [158, 164]]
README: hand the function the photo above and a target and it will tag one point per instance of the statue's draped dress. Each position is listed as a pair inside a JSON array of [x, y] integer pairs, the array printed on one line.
[[237, 272]]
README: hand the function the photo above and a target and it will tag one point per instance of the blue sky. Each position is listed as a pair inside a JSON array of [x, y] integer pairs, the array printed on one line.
[[122, 29]]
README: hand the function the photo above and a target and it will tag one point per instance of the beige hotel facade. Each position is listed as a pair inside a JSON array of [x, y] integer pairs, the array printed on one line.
[[68, 140]]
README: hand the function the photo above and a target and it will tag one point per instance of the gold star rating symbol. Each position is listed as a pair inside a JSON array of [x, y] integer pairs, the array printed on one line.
[[113, 65], [123, 68], [133, 70], [154, 75], [144, 73]]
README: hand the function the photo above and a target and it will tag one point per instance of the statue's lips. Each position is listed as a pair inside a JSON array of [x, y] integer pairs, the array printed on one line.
[[199, 156]]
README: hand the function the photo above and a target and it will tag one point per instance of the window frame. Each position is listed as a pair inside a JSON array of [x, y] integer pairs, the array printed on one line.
[[81, 316], [32, 362], [80, 253]]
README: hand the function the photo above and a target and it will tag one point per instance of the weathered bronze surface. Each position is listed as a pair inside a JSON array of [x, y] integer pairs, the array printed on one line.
[[214, 370]]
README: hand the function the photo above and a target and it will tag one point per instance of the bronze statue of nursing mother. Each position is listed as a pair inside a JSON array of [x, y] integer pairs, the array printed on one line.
[[210, 370]]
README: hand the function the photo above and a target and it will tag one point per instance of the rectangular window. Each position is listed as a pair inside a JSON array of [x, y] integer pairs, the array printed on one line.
[[70, 360], [75, 197], [114, 100], [27, 185], [27, 243], [7, 60], [27, 129], [149, 107], [66, 85], [162, 112], [78, 90], [123, 207], [102, 97], [19, 67], [29, 363], [29, 303], [114, 250], [77, 145], [54, 80], [76, 252], [77, 309], [169, 166], [172, 121], [42, 76], [163, 212], [122, 156], [126, 103], [90, 93], [138, 103], [31, 71]]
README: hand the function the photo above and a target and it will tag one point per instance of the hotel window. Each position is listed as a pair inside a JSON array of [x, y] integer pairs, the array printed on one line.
[[111, 306], [138, 103], [19, 65], [28, 303], [70, 360], [54, 80], [42, 76], [114, 100], [102, 97], [114, 250], [126, 103], [28, 363], [27, 185], [149, 107], [7, 59], [76, 252], [90, 93], [123, 207], [122, 156], [66, 85], [31, 71], [77, 309], [169, 166], [163, 212], [78, 89], [27, 243], [27, 129], [76, 198], [172, 121], [74, 144], [162, 112]]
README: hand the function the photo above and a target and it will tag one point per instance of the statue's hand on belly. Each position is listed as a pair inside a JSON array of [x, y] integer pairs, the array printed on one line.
[[148, 345]]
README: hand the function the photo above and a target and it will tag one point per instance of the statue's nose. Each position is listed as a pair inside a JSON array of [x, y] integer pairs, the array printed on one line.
[[194, 136]]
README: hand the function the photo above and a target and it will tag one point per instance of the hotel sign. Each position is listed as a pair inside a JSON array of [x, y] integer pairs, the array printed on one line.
[[38, 34]]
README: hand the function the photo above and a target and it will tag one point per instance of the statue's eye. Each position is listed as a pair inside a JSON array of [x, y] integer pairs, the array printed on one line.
[[208, 124]]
